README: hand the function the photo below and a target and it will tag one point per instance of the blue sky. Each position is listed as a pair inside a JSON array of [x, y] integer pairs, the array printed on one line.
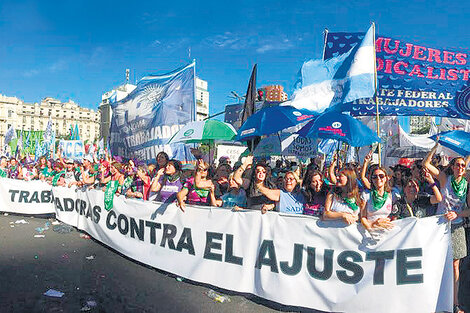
[[79, 49]]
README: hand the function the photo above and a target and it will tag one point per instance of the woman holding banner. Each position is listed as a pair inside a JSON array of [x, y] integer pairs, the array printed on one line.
[[378, 202], [455, 195], [344, 202], [14, 171], [167, 183], [315, 191], [256, 200], [198, 189]]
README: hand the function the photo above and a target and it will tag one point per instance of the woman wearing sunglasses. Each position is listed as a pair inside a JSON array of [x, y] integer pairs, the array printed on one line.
[[289, 199], [455, 195], [198, 189], [378, 201], [256, 200]]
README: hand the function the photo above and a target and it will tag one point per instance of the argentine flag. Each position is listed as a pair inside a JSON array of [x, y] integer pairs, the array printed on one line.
[[341, 79]]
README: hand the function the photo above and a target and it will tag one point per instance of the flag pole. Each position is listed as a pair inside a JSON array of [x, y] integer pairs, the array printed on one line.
[[377, 121], [325, 34]]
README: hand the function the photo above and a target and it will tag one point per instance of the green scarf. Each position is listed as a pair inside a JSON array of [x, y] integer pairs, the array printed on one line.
[[378, 200], [56, 177], [460, 188], [111, 188], [3, 173], [127, 183], [45, 171], [172, 178], [351, 202]]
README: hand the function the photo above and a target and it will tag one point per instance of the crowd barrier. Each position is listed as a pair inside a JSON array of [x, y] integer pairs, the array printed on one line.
[[293, 260]]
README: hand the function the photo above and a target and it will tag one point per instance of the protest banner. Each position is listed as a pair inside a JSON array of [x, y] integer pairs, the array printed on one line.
[[412, 79], [287, 145], [291, 259], [152, 113], [72, 149], [28, 142], [17, 196]]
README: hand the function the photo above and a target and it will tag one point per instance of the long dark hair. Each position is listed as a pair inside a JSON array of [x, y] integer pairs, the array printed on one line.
[[308, 191], [267, 183], [448, 170], [350, 190]]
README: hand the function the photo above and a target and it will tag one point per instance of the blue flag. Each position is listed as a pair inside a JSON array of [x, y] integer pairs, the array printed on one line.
[[341, 79], [152, 113], [412, 79], [9, 135]]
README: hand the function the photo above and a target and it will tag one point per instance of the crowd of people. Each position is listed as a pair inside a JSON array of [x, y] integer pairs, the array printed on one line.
[[354, 193]]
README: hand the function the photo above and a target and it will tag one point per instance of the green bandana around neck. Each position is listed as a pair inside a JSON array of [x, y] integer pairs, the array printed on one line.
[[378, 200], [3, 173], [351, 202], [172, 178], [111, 188], [460, 188], [56, 178], [127, 183]]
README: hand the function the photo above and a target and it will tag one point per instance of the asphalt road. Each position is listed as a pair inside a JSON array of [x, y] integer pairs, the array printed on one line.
[[30, 266]]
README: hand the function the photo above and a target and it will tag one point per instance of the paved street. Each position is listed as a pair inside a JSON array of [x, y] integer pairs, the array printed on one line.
[[30, 266]]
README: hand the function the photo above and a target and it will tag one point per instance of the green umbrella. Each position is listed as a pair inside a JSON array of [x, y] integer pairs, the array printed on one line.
[[204, 132]]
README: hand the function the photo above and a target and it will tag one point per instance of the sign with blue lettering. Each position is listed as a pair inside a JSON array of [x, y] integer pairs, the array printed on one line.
[[412, 79], [72, 149]]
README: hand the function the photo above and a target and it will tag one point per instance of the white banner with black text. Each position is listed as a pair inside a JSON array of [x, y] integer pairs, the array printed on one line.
[[293, 260]]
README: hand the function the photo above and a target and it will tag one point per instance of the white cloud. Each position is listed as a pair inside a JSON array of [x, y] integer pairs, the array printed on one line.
[[275, 45], [31, 73]]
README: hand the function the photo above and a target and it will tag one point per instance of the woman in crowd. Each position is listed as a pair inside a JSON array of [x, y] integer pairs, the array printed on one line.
[[41, 166], [344, 202], [315, 192], [235, 197], [256, 200], [289, 199], [221, 179], [198, 189], [28, 171], [455, 199], [3, 167], [162, 160], [413, 204], [87, 173], [396, 183], [103, 176], [14, 170], [140, 185], [378, 201], [116, 177], [167, 183]]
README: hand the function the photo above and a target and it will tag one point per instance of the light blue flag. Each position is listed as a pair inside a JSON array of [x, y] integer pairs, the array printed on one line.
[[9, 135], [77, 133], [341, 79], [19, 143]]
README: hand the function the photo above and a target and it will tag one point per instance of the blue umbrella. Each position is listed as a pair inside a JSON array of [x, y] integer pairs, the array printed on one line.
[[342, 127], [270, 120], [456, 140]]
